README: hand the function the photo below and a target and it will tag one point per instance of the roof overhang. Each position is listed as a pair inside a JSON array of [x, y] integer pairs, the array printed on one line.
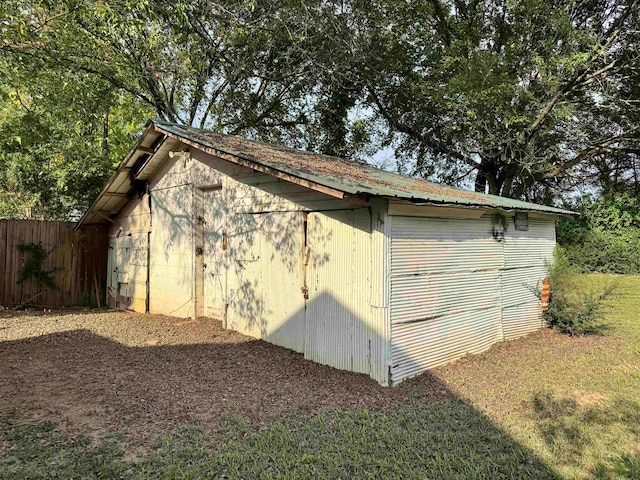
[[147, 156], [159, 138], [251, 163], [149, 150]]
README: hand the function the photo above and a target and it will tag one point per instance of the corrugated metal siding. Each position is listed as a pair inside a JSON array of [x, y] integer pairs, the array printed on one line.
[[342, 331], [421, 345], [171, 274], [262, 221], [214, 256], [532, 247], [264, 277], [521, 319], [128, 237], [526, 254], [426, 296], [456, 290], [432, 245], [340, 325], [521, 285]]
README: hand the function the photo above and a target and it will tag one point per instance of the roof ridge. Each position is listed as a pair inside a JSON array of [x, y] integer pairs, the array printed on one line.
[[384, 183]]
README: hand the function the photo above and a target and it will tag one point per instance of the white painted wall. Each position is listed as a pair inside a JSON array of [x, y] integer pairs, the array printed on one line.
[[343, 323], [173, 224], [346, 325], [128, 253], [526, 254], [388, 295], [264, 277], [455, 289]]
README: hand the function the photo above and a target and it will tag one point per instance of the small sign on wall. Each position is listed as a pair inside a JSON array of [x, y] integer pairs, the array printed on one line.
[[521, 221]]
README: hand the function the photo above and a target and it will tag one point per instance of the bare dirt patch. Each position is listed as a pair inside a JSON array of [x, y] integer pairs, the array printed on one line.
[[103, 371]]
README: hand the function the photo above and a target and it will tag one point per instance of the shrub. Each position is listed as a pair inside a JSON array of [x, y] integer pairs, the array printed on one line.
[[605, 238], [32, 268], [574, 309]]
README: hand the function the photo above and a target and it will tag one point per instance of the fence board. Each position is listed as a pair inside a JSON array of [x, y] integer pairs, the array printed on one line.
[[12, 256], [53, 258], [3, 251], [81, 257]]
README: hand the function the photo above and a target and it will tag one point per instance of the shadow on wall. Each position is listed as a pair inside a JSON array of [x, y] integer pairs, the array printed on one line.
[[265, 277], [245, 197], [87, 381], [265, 269], [254, 242]]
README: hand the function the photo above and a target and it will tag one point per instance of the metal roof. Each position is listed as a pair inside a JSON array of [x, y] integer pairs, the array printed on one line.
[[348, 176], [333, 175]]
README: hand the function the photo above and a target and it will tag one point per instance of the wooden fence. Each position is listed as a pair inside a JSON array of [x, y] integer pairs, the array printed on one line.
[[80, 257]]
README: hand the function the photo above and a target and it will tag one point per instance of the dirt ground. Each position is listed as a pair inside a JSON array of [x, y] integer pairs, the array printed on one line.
[[97, 371]]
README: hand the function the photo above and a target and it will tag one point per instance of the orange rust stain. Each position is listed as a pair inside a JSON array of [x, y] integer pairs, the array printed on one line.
[[546, 291]]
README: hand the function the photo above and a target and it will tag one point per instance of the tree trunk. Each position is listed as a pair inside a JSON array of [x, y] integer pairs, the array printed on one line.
[[105, 135], [481, 182]]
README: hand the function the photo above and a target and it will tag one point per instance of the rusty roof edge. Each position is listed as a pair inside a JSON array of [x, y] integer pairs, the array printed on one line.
[[550, 211], [344, 185], [354, 188], [256, 163]]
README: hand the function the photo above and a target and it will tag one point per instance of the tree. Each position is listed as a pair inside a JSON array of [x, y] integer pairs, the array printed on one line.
[[518, 95], [523, 97], [61, 134]]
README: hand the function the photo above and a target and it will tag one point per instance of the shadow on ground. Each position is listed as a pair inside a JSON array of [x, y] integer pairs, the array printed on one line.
[[579, 427], [268, 412]]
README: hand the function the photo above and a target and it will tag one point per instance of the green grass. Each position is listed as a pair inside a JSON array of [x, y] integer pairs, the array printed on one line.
[[547, 406], [439, 440], [574, 401]]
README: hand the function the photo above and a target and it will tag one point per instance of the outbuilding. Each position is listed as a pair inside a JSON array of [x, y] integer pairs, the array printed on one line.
[[352, 266]]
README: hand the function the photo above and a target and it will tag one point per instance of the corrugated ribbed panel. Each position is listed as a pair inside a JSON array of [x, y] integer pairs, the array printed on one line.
[[171, 252], [532, 247], [456, 290], [329, 324], [521, 285], [521, 319], [430, 245], [424, 296], [419, 346], [526, 255], [342, 324], [341, 329], [265, 277], [445, 291]]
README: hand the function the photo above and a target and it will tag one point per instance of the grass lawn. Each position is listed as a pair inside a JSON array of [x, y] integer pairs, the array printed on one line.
[[545, 406]]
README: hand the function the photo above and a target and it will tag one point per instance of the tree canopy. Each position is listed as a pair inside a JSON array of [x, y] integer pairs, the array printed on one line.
[[520, 98]]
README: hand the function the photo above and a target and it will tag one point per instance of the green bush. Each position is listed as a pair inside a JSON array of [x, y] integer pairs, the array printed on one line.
[[574, 309], [605, 238]]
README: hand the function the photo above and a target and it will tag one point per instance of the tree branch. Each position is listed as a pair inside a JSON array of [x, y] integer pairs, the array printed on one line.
[[580, 79], [603, 146], [434, 145]]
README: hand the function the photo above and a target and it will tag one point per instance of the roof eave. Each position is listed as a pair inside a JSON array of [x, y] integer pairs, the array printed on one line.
[[119, 169], [328, 187]]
